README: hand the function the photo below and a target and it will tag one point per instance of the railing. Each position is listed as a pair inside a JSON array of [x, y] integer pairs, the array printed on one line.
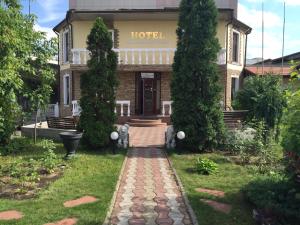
[[139, 56], [52, 110], [167, 104], [122, 104], [76, 109]]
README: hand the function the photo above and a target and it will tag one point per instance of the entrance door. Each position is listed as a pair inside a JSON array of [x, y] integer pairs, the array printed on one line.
[[148, 96]]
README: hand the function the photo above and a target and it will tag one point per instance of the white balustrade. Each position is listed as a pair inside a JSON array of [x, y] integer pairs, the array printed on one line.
[[166, 104], [76, 109], [53, 110], [140, 56], [122, 104], [80, 56]]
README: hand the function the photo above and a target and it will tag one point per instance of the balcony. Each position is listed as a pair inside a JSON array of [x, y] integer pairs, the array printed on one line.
[[139, 56]]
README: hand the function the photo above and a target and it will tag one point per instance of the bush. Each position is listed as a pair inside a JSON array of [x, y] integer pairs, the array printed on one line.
[[15, 146], [291, 131], [50, 159], [276, 194], [205, 166], [264, 98]]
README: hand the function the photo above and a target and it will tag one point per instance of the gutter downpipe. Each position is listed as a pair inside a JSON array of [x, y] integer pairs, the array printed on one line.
[[246, 47], [58, 68]]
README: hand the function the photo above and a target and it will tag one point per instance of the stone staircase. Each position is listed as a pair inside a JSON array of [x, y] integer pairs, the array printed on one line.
[[233, 119], [146, 122]]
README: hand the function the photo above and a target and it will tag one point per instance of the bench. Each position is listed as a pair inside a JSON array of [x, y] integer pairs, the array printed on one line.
[[68, 123]]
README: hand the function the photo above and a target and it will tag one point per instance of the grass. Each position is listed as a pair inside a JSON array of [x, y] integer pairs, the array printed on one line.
[[230, 178], [90, 173]]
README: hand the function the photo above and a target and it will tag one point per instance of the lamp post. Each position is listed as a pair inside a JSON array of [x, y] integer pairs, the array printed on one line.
[[114, 136], [180, 136]]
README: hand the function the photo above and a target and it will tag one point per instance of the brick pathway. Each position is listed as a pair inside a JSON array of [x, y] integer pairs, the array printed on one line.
[[148, 193], [147, 136]]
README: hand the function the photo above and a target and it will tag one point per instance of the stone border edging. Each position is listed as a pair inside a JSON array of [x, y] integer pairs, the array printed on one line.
[[182, 190], [113, 200]]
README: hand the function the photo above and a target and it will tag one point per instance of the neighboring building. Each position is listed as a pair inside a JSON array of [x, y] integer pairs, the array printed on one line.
[[274, 66], [253, 61], [144, 37]]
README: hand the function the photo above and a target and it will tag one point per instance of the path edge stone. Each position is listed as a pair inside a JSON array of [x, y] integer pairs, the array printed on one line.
[[113, 200], [183, 192]]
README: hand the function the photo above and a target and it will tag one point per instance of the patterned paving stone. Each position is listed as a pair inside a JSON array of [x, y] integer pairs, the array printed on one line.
[[69, 221], [147, 136], [216, 193], [218, 206], [80, 201], [148, 193], [10, 215]]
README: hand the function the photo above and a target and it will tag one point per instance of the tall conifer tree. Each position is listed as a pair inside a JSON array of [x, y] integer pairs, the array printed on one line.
[[196, 92], [98, 86]]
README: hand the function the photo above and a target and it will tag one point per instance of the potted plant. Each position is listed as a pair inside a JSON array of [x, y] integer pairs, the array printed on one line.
[[71, 141]]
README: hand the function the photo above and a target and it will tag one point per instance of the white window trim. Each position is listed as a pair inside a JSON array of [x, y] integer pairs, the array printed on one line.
[[237, 82], [65, 90], [238, 46], [64, 46], [113, 35]]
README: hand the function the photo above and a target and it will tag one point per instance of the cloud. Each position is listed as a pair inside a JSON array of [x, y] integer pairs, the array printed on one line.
[[52, 10], [47, 30], [272, 34]]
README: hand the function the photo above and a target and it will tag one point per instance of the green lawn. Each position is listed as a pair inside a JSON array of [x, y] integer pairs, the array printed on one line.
[[230, 178], [90, 173]]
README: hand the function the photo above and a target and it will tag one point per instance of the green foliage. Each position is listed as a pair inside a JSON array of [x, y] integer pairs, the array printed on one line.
[[195, 88], [98, 87], [15, 146], [276, 194], [264, 98], [23, 52], [291, 131], [205, 166], [49, 159]]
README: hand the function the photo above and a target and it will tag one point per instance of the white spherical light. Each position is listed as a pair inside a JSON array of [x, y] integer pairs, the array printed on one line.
[[180, 135], [114, 136]]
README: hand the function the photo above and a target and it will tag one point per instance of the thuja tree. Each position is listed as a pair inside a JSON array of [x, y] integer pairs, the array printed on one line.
[[195, 85], [98, 86]]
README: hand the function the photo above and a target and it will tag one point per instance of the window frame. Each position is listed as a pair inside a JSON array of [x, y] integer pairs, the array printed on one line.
[[66, 46], [235, 86], [237, 52], [67, 90]]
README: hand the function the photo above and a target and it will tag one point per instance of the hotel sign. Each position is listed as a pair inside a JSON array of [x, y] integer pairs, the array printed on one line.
[[148, 35]]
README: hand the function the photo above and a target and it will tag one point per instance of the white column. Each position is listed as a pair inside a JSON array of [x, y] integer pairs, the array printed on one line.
[[128, 113], [160, 56], [132, 57], [122, 110], [140, 57], [147, 57], [126, 57]]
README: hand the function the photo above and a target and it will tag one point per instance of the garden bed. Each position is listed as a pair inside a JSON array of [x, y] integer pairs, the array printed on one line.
[[91, 173]]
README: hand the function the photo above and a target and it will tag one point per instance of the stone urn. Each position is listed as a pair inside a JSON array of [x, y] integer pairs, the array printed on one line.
[[71, 141]]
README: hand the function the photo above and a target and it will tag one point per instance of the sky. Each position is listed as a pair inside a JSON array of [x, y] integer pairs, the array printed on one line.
[[51, 12]]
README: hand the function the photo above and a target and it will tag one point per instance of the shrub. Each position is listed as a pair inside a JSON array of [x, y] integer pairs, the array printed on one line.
[[264, 98], [291, 131], [275, 194], [205, 166], [49, 159], [15, 146]]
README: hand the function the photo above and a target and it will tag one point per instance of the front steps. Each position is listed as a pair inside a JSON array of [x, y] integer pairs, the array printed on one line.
[[146, 122]]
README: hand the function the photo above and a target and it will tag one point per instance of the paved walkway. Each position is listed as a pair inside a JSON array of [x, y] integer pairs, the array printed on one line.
[[147, 136], [148, 193]]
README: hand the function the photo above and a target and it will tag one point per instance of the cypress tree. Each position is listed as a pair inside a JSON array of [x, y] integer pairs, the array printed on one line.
[[195, 88], [98, 86]]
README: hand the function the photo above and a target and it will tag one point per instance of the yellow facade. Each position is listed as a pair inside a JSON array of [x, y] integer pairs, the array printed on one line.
[[140, 34]]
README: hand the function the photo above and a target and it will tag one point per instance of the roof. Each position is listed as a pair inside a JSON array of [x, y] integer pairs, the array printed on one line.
[[276, 70], [295, 56]]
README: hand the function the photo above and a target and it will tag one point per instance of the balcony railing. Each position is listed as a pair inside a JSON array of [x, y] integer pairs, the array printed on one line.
[[139, 56]]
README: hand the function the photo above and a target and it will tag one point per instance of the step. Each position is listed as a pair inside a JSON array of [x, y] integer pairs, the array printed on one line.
[[145, 121], [146, 124]]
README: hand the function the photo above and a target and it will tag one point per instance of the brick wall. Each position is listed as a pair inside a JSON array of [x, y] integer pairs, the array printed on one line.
[[126, 89]]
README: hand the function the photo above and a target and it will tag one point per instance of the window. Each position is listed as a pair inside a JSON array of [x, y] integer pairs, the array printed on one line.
[[112, 33], [235, 86], [66, 46], [66, 90], [235, 47]]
